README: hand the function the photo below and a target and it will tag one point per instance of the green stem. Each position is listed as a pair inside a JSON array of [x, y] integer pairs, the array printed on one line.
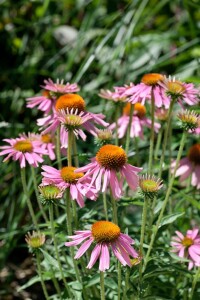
[[51, 217], [144, 218], [159, 138], [69, 149], [114, 209], [75, 214], [69, 228], [105, 206], [75, 152], [119, 280], [166, 198], [129, 130], [126, 287], [152, 134], [58, 148], [116, 124], [23, 178], [102, 287], [40, 275], [37, 194], [166, 137], [194, 282]]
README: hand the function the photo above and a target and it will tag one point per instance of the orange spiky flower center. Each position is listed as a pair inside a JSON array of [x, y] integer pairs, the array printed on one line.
[[194, 154], [68, 175], [175, 87], [46, 138], [23, 146], [152, 78], [187, 241], [111, 157], [104, 231], [69, 101], [139, 110]]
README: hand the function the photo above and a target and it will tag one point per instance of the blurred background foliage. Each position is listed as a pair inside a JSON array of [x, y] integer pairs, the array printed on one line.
[[98, 44]]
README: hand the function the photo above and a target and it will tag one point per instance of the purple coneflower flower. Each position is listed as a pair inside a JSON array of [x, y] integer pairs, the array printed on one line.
[[190, 166], [105, 235], [188, 246], [111, 161], [139, 120], [23, 149], [67, 178]]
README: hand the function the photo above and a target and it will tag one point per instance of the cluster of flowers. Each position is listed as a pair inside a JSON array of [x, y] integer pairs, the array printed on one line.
[[65, 112]]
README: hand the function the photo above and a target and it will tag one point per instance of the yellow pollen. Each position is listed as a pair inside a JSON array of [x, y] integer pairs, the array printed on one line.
[[194, 154], [149, 185], [175, 87], [73, 120], [46, 138], [70, 101], [23, 146], [152, 78], [68, 175], [104, 231], [111, 157], [187, 241]]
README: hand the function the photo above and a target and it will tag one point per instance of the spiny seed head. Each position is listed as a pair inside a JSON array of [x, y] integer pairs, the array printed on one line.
[[104, 136], [69, 176], [174, 88], [35, 240], [149, 185], [23, 146], [194, 154], [152, 78], [70, 101], [111, 157], [189, 119], [104, 231], [50, 193], [161, 114]]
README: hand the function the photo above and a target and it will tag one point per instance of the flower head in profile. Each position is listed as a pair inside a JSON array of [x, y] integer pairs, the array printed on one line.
[[104, 136], [35, 240], [161, 114], [24, 150], [190, 166], [139, 122], [149, 185], [189, 120], [110, 168], [59, 87], [149, 87], [50, 193], [118, 95], [183, 93], [104, 235], [188, 246], [67, 178]]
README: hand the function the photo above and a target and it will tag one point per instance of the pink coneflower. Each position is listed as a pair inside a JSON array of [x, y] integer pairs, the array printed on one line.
[[190, 166], [59, 87], [139, 121], [188, 247], [111, 161], [149, 86], [23, 150], [44, 103], [181, 91], [46, 141], [105, 235], [67, 178], [117, 95], [73, 106]]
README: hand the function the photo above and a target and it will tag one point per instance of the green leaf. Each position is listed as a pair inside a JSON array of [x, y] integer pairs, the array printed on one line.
[[170, 218], [94, 280], [50, 259], [29, 283]]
